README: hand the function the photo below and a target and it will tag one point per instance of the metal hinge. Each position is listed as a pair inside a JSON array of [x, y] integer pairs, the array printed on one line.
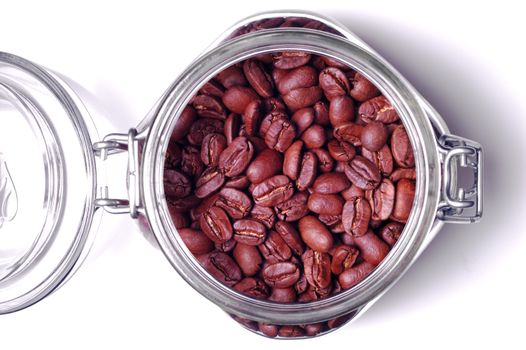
[[458, 204], [113, 144]]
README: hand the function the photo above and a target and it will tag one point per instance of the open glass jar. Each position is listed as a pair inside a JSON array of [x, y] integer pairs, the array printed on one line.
[[53, 116]]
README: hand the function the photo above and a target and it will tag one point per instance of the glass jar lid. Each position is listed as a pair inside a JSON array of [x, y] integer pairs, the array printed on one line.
[[47, 182]]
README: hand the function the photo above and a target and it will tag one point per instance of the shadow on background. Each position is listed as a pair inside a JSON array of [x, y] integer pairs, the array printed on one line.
[[474, 101]]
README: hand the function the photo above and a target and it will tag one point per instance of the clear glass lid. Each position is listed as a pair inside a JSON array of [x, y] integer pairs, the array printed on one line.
[[47, 182]]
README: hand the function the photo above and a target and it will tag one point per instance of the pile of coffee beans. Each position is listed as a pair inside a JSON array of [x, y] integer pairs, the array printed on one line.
[[289, 177]]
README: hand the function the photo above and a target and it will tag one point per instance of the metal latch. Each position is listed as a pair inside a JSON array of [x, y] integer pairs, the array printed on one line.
[[458, 204], [113, 144]]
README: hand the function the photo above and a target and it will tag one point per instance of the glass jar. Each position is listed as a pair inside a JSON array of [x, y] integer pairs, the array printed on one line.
[[73, 192]]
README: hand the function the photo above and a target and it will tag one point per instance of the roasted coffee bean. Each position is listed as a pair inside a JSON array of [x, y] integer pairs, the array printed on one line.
[[222, 267], [290, 236], [266, 164], [209, 107], [183, 124], [281, 274], [191, 163], [381, 200], [248, 258], [202, 127], [313, 329], [353, 192], [184, 204], [301, 77], [308, 171], [391, 232], [302, 91], [252, 116], [269, 119], [231, 127], [252, 287], [341, 151], [179, 219], [321, 113], [290, 59], [215, 224], [329, 220], [203, 206], [275, 249], [264, 214], [401, 148], [278, 74], [196, 242], [283, 295], [212, 88], [176, 184], [292, 160], [238, 182], [343, 258], [328, 204], [314, 136], [403, 173], [291, 331], [374, 136], [270, 330], [405, 193], [249, 231], [355, 216], [382, 159], [317, 268], [315, 234], [273, 191], [363, 89], [372, 248], [341, 110], [338, 321], [173, 156], [236, 157], [331, 183], [236, 98], [349, 132], [377, 109], [210, 181], [303, 119], [351, 277], [258, 78], [363, 173], [227, 246], [333, 82], [274, 104], [280, 135], [294, 208], [231, 76], [245, 322], [325, 161], [236, 203], [213, 145]]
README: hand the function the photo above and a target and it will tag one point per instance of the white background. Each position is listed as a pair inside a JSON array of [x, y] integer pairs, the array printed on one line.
[[468, 289]]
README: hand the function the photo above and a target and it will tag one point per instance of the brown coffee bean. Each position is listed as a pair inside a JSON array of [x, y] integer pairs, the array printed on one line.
[[313, 329], [329, 204], [212, 88], [303, 118], [270, 330], [203, 205], [231, 76], [266, 164], [302, 77], [222, 267], [274, 104], [290, 236], [264, 214], [237, 182], [325, 161], [283, 295], [275, 249], [382, 159], [269, 119], [215, 225], [202, 127], [291, 331], [226, 247], [391, 232], [258, 78], [280, 135], [341, 151], [405, 193], [353, 192], [252, 116], [248, 258], [232, 127], [292, 160], [349, 132], [211, 148], [372, 249], [252, 287], [363, 173], [191, 163], [314, 136], [381, 200], [209, 107], [248, 231], [315, 234], [290, 59], [210, 181], [362, 89], [236, 157], [377, 109], [236, 98], [351, 277], [308, 171], [343, 258], [273, 191], [355, 216], [176, 184], [281, 274], [338, 321], [321, 113], [401, 148], [302, 97], [294, 208], [331, 183], [196, 242], [183, 123], [341, 110], [234, 202], [333, 82], [179, 219], [173, 156], [317, 268], [374, 136], [403, 173]]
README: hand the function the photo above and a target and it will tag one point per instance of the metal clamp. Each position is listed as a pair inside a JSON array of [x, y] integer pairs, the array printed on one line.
[[456, 201], [113, 144]]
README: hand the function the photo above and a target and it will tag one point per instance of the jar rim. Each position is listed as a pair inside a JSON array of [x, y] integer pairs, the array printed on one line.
[[404, 98]]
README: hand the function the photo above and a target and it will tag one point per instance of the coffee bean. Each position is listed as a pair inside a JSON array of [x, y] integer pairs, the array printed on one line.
[[275, 249], [381, 200], [351, 277], [362, 89], [349, 132], [321, 113], [222, 267], [343, 258], [183, 124], [315, 234], [176, 184], [211, 148], [258, 78], [290, 59], [215, 224], [391, 232], [333, 82], [382, 159], [294, 208], [210, 181], [341, 110], [248, 258], [212, 88], [363, 173], [252, 117], [314, 136], [231, 76], [270, 330], [209, 107], [372, 248], [273, 191], [331, 183], [403, 173], [281, 274], [308, 171], [355, 216], [292, 160], [280, 135], [401, 148], [325, 161], [374, 136], [290, 236], [249, 231], [264, 214], [266, 164], [328, 204], [202, 127], [237, 182], [405, 193], [317, 268], [303, 118], [236, 98], [231, 127], [378, 109], [236, 157], [196, 241], [235, 203], [341, 151], [252, 287]]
